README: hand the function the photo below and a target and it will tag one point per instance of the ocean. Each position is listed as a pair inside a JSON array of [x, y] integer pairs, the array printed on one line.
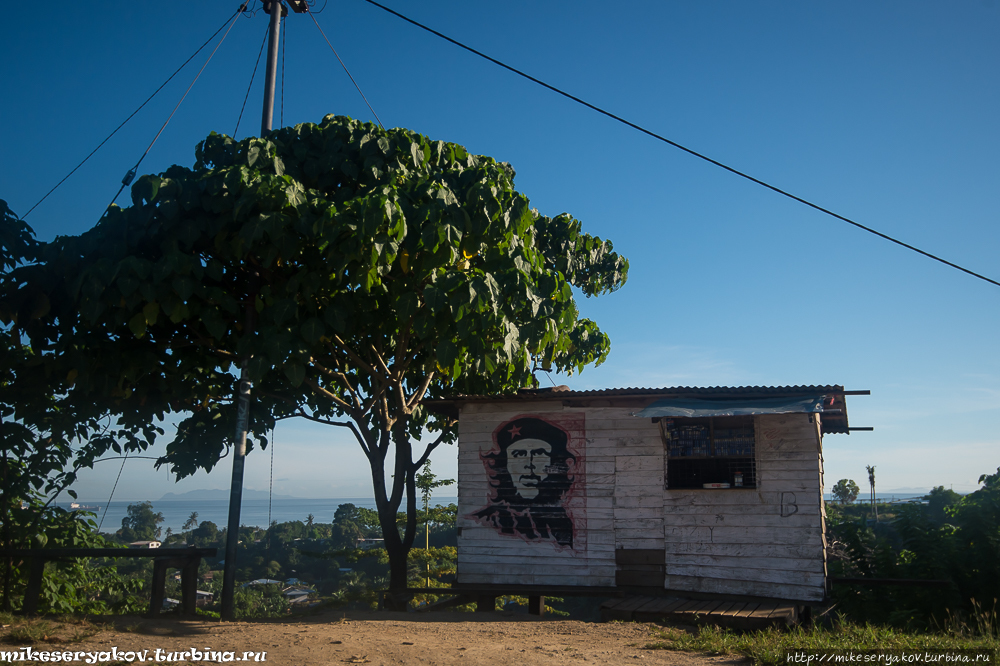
[[254, 512]]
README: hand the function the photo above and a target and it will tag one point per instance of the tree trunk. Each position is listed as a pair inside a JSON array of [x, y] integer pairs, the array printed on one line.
[[388, 505]]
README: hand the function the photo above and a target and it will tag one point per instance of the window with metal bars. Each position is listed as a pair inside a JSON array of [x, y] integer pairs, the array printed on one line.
[[717, 452]]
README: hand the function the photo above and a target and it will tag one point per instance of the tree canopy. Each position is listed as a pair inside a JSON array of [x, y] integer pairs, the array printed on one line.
[[378, 267]]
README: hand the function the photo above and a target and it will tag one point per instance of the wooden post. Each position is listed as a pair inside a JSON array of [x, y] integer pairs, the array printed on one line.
[[34, 588], [536, 606], [189, 586], [486, 603], [159, 585]]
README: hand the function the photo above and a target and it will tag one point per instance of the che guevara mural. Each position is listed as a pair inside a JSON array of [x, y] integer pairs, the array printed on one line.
[[536, 473]]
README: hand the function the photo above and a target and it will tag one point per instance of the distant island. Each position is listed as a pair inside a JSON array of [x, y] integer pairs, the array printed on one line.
[[219, 494]]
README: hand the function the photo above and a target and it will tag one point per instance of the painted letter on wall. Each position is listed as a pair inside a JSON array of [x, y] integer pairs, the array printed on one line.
[[536, 472]]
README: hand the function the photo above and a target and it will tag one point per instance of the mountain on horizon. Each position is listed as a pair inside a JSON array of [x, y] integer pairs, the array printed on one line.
[[220, 494]]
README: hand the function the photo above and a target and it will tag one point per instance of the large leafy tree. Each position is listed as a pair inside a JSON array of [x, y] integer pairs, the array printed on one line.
[[359, 270], [44, 440]]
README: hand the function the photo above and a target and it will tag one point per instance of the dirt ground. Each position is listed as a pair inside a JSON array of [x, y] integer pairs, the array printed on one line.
[[353, 637]]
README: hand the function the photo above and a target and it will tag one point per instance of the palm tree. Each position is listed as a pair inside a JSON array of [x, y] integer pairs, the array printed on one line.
[[309, 520], [192, 521]]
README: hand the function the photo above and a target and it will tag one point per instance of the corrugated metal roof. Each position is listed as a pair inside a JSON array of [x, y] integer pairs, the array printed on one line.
[[566, 392], [834, 420]]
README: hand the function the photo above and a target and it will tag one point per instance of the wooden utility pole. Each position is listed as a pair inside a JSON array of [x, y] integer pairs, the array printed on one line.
[[276, 9]]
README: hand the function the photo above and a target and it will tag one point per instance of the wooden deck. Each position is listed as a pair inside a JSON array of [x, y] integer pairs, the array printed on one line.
[[744, 616]]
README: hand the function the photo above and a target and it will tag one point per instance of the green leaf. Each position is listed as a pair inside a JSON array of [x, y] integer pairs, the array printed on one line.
[[295, 372], [151, 312], [282, 310], [183, 286], [127, 285], [407, 304], [214, 323], [137, 324], [312, 330], [258, 367], [447, 352], [436, 299]]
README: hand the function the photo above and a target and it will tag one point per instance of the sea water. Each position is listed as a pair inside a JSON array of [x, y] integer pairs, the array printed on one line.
[[253, 512]]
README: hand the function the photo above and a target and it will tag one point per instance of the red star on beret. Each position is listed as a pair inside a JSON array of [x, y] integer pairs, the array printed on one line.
[[514, 431]]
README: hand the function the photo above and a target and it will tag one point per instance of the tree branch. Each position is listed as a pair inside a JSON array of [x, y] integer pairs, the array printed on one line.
[[418, 395], [354, 357], [336, 374], [381, 361], [342, 424], [401, 344], [430, 447], [327, 394]]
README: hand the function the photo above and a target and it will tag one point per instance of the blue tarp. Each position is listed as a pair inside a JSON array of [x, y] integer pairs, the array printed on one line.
[[676, 408]]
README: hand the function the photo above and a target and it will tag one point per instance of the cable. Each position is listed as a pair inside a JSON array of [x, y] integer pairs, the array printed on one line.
[[252, 77], [684, 148], [270, 492], [105, 512], [131, 173], [347, 70], [169, 79], [126, 456]]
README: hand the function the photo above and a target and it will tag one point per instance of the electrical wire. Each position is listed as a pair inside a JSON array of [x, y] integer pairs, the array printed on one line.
[[252, 77], [148, 99], [113, 488], [684, 148], [347, 70], [270, 493], [131, 173]]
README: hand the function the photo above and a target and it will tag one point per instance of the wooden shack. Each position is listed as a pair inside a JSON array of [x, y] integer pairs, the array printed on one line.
[[688, 490]]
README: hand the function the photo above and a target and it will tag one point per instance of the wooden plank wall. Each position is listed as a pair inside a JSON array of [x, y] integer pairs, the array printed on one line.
[[767, 541]]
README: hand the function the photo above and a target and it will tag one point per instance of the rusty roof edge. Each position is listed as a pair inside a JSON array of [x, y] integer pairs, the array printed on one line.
[[718, 391]]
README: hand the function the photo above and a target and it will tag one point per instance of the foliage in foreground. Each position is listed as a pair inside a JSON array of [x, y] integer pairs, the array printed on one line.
[[952, 538], [769, 646]]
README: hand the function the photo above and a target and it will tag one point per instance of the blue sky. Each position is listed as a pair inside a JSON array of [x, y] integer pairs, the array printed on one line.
[[884, 112]]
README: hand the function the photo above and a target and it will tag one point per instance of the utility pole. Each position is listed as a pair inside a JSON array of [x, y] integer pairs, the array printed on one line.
[[277, 10], [267, 114]]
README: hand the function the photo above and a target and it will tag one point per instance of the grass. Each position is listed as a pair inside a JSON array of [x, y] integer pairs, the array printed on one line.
[[30, 632], [769, 646], [59, 629]]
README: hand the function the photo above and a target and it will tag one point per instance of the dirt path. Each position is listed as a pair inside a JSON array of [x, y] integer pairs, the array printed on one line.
[[391, 638]]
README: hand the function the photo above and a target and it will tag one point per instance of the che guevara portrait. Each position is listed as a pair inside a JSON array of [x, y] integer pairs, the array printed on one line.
[[532, 473]]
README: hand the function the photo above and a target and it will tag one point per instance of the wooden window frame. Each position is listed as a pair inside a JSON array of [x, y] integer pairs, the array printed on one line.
[[715, 461]]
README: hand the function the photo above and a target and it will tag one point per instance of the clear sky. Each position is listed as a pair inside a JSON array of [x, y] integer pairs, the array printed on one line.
[[884, 112]]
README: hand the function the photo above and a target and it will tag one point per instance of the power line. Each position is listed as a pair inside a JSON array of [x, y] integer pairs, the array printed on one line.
[[252, 77], [113, 488], [681, 147], [169, 79], [345, 67], [131, 173]]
